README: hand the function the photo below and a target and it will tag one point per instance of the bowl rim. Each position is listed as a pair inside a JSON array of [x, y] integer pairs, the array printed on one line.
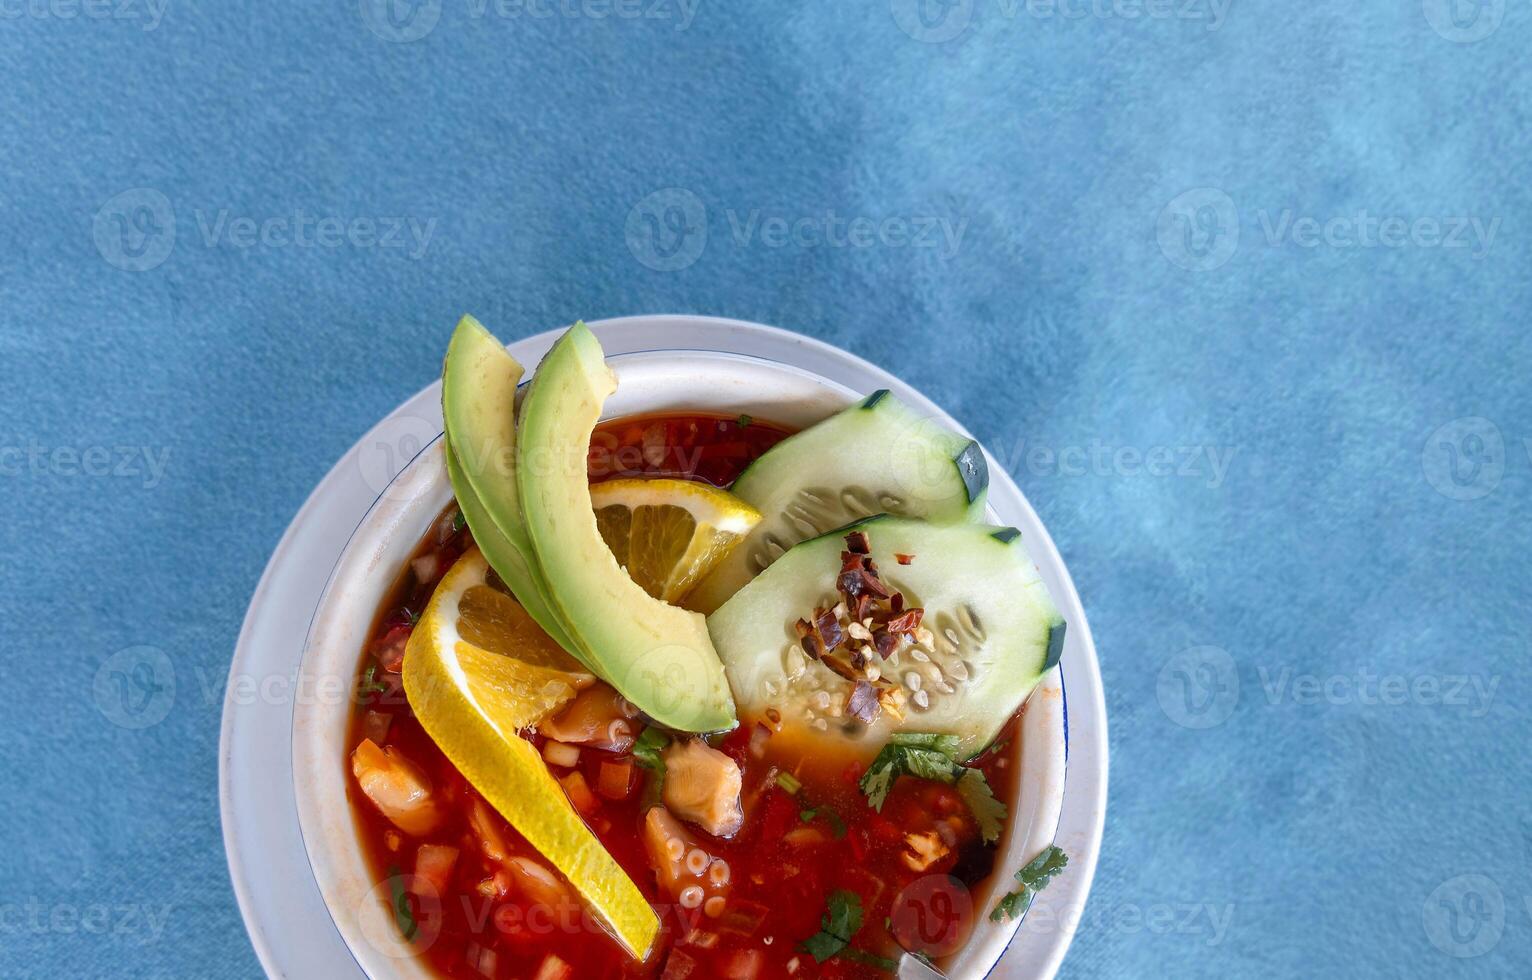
[[1077, 880]]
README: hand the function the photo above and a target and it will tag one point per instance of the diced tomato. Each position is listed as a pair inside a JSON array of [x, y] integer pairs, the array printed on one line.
[[615, 781], [578, 791], [745, 964], [679, 966], [884, 831], [434, 863], [510, 921], [780, 817], [390, 649]]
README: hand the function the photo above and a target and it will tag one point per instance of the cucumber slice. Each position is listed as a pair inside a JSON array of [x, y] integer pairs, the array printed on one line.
[[875, 457], [995, 632]]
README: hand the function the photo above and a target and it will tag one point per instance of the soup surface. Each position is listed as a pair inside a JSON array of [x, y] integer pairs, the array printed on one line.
[[810, 853]]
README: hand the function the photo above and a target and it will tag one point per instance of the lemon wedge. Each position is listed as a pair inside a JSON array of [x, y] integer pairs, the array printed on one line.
[[668, 534], [478, 670]]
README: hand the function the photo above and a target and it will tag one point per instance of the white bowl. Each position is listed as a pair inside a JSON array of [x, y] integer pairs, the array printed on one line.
[[282, 909], [647, 382]]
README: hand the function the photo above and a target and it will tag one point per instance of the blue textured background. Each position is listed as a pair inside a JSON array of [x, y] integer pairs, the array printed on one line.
[[1091, 173]]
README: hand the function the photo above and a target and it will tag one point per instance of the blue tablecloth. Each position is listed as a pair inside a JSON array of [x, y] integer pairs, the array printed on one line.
[[1237, 290]]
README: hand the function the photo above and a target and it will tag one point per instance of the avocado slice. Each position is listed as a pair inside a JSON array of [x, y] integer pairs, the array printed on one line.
[[479, 383], [659, 656]]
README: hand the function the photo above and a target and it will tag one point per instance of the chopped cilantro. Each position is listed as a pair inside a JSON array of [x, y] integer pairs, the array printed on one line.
[[862, 956], [988, 811], [932, 757], [789, 783], [370, 682], [744, 421], [647, 748], [459, 521], [930, 764], [837, 825], [906, 755], [842, 919], [404, 916], [1033, 878], [945, 744]]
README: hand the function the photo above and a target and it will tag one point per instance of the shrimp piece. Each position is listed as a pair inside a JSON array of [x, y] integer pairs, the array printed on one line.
[[539, 885], [702, 786], [397, 787], [597, 717], [481, 820]]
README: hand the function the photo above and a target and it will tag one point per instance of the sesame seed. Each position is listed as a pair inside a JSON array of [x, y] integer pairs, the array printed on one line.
[[859, 632], [872, 672]]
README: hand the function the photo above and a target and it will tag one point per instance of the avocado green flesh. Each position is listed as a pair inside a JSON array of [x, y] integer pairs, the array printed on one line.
[[984, 602], [875, 457], [479, 383], [660, 657]]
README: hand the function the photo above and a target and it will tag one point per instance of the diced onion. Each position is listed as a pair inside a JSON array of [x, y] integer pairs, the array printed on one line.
[[561, 754], [425, 567]]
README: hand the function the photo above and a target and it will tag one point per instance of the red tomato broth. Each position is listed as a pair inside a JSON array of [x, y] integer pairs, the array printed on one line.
[[783, 867]]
